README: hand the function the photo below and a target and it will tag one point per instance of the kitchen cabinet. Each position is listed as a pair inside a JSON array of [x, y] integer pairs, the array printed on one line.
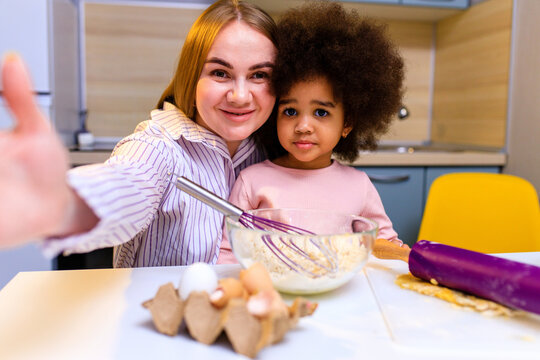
[[393, 2], [397, 8], [97, 259], [471, 76], [25, 258], [46, 35], [458, 4], [404, 190], [401, 190]]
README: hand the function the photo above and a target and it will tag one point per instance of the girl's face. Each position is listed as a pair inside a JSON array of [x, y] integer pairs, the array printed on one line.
[[309, 125], [233, 97]]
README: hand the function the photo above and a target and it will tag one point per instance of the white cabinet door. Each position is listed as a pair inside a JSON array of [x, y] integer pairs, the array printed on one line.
[[44, 102], [24, 29]]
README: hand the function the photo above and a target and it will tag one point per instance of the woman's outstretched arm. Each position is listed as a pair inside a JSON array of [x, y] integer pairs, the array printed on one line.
[[35, 199]]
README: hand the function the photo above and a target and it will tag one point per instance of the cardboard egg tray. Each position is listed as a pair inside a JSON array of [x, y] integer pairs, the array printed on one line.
[[247, 333]]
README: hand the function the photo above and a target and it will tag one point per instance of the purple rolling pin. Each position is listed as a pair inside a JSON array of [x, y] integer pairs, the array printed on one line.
[[507, 282]]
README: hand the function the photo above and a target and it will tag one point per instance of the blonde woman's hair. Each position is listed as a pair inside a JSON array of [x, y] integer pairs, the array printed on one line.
[[181, 89]]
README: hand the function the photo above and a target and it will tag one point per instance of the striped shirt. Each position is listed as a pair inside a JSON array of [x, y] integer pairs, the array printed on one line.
[[142, 213]]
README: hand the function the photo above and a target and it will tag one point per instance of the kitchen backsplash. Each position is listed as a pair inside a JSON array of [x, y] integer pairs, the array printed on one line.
[[131, 52]]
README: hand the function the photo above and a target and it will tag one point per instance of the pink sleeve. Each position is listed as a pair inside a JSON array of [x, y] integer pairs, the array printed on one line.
[[374, 209], [239, 198], [226, 255], [239, 195]]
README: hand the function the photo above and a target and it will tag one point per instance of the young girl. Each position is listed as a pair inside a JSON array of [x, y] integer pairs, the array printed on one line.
[[338, 80], [219, 95]]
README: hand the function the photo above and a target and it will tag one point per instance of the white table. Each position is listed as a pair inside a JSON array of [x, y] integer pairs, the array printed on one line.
[[97, 314]]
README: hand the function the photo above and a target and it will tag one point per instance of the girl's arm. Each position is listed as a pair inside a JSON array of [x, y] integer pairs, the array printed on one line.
[[374, 209]]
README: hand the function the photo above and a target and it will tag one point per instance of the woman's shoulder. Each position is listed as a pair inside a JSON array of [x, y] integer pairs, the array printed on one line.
[[149, 132], [161, 132], [168, 123]]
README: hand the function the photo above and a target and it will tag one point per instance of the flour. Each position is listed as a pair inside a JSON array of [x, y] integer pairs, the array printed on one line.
[[350, 255]]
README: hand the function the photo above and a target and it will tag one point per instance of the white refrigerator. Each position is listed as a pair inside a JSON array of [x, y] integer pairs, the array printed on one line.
[[46, 34]]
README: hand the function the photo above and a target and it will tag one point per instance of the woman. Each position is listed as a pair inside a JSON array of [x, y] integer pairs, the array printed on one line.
[[219, 95]]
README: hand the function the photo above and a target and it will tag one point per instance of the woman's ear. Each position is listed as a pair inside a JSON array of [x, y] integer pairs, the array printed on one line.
[[346, 131]]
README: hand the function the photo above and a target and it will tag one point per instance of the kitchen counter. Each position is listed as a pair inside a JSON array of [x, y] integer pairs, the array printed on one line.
[[85, 157], [97, 314], [430, 158], [376, 158]]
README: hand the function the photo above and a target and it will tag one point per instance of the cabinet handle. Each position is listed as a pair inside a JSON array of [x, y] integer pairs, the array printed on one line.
[[388, 178]]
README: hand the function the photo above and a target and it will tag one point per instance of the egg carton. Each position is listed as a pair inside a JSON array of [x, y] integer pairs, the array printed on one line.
[[247, 330]]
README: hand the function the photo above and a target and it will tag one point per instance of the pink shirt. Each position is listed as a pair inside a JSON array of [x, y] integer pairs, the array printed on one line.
[[336, 187]]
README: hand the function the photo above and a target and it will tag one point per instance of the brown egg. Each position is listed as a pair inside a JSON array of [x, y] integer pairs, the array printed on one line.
[[265, 302], [227, 289], [256, 278]]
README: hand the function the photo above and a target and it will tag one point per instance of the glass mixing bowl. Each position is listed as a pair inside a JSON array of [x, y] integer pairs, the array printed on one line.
[[303, 263]]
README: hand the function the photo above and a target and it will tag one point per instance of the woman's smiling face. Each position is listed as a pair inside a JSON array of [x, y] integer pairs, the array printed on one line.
[[310, 123], [233, 96]]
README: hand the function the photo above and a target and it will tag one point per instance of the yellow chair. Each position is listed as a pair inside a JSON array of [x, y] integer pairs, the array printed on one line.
[[489, 213]]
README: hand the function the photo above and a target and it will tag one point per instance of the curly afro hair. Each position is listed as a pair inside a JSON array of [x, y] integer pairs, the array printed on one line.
[[355, 55]]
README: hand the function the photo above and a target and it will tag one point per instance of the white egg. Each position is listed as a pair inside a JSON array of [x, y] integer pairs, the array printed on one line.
[[198, 277]]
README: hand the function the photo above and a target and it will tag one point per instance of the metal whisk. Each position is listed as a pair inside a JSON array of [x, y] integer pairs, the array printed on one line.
[[328, 265]]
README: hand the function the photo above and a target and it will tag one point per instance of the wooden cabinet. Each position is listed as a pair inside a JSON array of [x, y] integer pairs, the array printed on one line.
[[471, 76], [404, 190]]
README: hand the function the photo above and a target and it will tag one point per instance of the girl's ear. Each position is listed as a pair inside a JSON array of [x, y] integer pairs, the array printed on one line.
[[346, 131]]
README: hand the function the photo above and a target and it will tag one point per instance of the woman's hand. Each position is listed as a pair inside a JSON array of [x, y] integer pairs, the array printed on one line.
[[35, 200]]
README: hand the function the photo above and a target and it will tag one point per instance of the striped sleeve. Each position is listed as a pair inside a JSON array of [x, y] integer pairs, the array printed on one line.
[[124, 192]]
